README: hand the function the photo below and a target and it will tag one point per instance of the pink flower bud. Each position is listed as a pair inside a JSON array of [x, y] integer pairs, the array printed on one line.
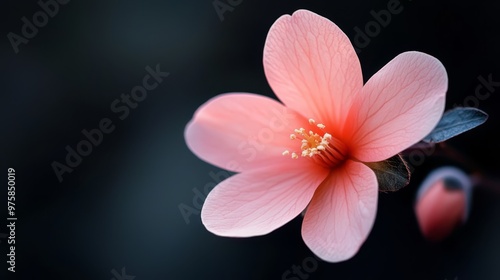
[[443, 202]]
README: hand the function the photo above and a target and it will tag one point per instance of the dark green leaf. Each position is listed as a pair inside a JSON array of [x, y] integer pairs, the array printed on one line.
[[455, 122], [392, 174]]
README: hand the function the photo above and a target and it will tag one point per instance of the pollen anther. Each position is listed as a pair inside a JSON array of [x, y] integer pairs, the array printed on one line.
[[328, 149]]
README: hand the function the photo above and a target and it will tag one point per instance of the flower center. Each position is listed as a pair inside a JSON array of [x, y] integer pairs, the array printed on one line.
[[325, 150]]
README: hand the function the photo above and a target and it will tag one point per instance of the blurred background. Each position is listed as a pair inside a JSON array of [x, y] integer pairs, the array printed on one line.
[[118, 213]]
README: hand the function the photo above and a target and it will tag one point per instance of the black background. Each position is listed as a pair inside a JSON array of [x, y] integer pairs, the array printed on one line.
[[120, 207]]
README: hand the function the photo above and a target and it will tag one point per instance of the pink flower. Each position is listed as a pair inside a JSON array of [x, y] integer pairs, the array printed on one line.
[[310, 150]]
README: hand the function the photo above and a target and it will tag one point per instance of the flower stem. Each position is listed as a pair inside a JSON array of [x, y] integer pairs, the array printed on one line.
[[444, 150], [485, 182], [478, 179]]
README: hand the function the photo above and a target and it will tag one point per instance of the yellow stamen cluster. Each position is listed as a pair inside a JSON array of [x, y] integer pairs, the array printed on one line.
[[312, 143]]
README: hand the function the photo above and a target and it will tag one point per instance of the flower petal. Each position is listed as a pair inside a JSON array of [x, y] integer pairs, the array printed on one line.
[[260, 201], [242, 131], [312, 67], [341, 213], [398, 107]]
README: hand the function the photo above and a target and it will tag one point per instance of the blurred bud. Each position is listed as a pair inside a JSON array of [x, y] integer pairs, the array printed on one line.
[[443, 202]]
